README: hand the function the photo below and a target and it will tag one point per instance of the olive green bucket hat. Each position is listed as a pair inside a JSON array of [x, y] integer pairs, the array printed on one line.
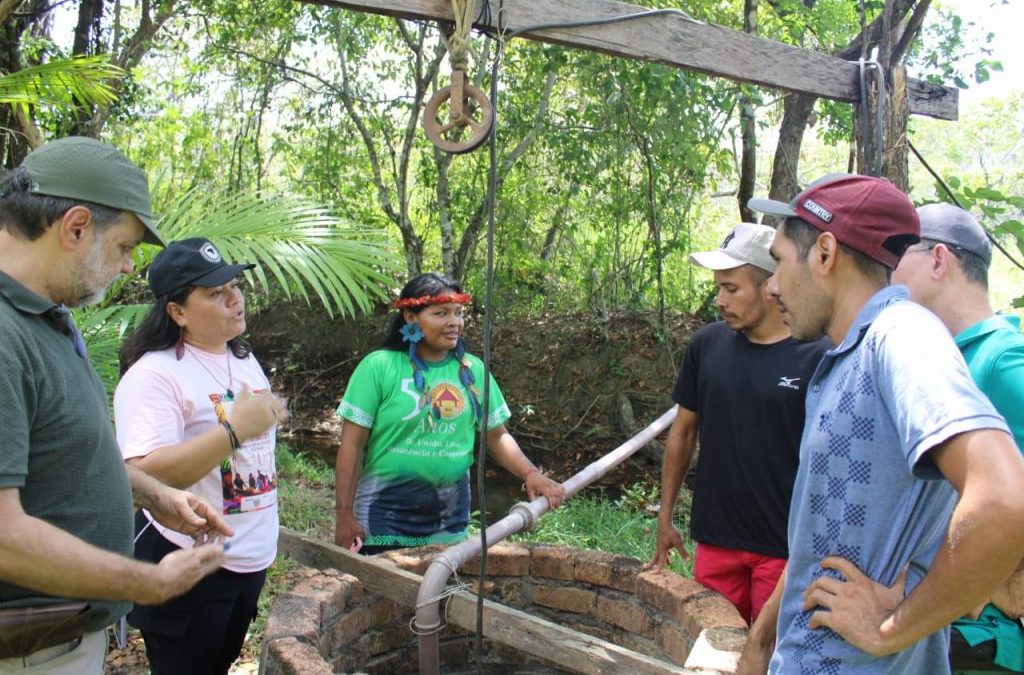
[[83, 168]]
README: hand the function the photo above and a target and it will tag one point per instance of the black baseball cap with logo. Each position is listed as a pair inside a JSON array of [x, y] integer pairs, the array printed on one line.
[[190, 262], [83, 168]]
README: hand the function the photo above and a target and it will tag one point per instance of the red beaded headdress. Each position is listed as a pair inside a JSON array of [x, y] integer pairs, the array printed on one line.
[[423, 301]]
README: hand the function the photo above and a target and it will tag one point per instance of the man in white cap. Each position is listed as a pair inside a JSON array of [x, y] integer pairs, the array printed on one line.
[[740, 392], [947, 272]]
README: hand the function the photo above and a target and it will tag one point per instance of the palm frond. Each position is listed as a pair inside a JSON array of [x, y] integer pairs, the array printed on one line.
[[103, 329], [298, 246], [299, 249], [77, 81]]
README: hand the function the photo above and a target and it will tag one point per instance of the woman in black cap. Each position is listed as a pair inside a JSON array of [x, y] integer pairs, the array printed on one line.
[[194, 409]]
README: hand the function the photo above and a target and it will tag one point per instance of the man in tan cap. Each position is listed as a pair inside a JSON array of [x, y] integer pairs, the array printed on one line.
[[70, 217], [740, 392]]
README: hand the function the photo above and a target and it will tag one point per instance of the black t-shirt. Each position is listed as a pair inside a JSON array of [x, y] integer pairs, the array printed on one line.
[[749, 399]]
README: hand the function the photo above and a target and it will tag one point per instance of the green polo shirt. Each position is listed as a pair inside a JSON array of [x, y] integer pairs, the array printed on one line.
[[57, 445]]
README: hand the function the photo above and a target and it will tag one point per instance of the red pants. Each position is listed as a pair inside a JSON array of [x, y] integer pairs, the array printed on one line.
[[745, 579]]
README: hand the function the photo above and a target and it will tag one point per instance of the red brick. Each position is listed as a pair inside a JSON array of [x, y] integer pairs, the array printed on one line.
[[566, 599], [350, 625], [607, 569], [390, 638], [503, 560], [625, 614], [553, 562], [711, 611], [292, 657], [415, 560], [668, 592], [489, 587], [328, 591], [675, 641], [385, 611], [292, 616]]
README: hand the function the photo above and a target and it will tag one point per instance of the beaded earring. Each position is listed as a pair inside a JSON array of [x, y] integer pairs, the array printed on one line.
[[179, 346]]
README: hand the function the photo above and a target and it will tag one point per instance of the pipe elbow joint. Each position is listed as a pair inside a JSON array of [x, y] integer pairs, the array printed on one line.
[[522, 509]]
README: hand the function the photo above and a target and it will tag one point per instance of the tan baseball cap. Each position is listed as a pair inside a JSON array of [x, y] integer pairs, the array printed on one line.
[[747, 244]]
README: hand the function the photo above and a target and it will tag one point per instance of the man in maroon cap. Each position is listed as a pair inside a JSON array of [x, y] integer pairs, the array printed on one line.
[[907, 509]]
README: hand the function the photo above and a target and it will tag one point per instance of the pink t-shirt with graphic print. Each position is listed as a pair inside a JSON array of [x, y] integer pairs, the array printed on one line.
[[162, 402]]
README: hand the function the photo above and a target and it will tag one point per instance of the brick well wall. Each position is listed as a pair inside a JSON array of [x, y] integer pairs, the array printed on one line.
[[328, 623]]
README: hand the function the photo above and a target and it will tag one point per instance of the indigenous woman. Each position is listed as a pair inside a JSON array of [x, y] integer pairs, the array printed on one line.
[[194, 409], [411, 412]]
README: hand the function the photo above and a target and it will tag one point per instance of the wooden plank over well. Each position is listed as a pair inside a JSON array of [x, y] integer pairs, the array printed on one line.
[[579, 652], [677, 41]]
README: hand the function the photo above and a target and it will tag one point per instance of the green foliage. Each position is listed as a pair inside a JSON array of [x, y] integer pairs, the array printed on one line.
[[947, 48], [305, 492], [63, 83], [983, 164], [300, 249]]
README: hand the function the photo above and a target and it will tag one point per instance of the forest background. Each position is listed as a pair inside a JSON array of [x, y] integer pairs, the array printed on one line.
[[288, 133]]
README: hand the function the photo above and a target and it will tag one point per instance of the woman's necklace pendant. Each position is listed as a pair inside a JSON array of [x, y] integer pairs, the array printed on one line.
[[229, 395]]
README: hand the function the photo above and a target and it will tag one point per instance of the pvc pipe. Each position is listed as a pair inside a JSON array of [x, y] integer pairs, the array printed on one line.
[[522, 517]]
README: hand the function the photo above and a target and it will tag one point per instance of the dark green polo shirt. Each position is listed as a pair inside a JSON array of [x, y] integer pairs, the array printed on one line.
[[57, 444]]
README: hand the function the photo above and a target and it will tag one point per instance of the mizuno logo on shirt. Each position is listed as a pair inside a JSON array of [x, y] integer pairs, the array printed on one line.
[[789, 382]]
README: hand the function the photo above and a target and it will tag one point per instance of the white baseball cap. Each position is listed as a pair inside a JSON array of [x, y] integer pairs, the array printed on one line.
[[747, 244]]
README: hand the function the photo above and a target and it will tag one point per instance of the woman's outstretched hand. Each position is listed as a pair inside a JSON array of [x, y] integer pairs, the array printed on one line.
[[539, 485]]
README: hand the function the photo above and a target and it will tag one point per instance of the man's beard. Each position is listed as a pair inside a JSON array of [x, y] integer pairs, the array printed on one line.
[[91, 283]]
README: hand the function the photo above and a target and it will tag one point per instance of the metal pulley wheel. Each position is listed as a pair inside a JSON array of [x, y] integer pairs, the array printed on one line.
[[468, 108]]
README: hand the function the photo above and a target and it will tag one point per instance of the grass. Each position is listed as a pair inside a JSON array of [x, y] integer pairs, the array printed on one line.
[[305, 492], [627, 525]]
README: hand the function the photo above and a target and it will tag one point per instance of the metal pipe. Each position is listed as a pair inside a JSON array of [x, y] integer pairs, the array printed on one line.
[[522, 516]]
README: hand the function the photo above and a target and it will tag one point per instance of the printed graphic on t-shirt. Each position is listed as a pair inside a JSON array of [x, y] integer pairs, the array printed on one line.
[[248, 478], [446, 401]]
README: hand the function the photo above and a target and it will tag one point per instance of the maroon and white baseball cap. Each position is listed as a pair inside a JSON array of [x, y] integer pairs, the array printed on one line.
[[867, 214]]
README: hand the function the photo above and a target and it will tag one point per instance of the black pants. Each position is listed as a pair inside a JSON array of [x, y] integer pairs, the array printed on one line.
[[201, 632], [963, 656]]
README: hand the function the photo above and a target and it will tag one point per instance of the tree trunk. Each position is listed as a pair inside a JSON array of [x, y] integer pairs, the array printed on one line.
[[796, 112], [894, 158], [798, 107], [748, 125]]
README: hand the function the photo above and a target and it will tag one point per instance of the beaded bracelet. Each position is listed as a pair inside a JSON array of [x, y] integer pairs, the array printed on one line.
[[232, 436]]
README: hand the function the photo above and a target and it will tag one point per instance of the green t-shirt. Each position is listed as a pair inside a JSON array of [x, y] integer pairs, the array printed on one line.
[[994, 351], [58, 444], [414, 483]]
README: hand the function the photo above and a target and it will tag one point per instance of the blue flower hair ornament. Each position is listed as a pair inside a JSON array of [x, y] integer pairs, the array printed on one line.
[[411, 332]]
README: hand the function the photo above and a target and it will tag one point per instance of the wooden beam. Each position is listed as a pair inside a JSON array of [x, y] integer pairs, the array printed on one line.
[[578, 652], [679, 42]]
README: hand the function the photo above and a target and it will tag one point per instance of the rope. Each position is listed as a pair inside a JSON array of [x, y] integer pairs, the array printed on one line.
[[458, 42], [949, 192], [503, 35], [447, 592]]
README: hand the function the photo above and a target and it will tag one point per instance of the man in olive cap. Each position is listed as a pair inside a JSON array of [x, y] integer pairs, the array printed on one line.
[[947, 272], [70, 217]]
